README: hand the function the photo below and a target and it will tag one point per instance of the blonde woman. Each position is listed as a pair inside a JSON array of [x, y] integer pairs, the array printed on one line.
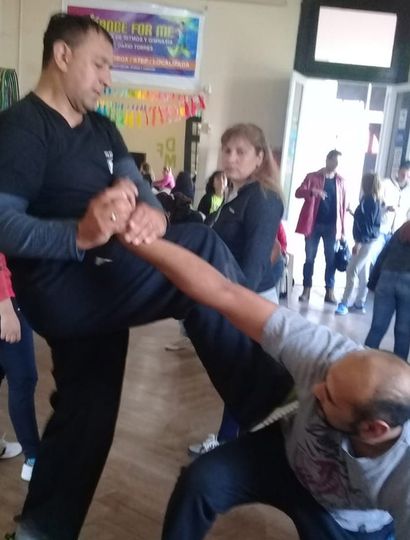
[[248, 223], [167, 181], [366, 228], [249, 219]]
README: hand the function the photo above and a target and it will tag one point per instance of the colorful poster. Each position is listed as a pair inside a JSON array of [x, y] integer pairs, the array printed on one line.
[[152, 44]]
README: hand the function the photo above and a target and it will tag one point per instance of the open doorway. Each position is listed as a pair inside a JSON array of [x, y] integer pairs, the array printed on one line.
[[326, 114], [349, 92], [331, 114]]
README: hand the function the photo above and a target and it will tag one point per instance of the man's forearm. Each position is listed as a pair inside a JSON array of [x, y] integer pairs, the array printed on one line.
[[189, 273], [200, 281]]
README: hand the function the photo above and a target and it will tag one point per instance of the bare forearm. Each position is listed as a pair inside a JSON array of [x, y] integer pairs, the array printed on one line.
[[189, 273], [199, 280], [6, 307]]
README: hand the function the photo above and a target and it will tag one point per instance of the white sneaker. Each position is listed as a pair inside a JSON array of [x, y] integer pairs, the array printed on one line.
[[27, 469], [9, 450], [208, 444], [179, 345]]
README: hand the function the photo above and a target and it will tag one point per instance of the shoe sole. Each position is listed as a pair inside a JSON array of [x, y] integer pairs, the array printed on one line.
[[26, 473], [277, 414], [193, 454], [12, 450]]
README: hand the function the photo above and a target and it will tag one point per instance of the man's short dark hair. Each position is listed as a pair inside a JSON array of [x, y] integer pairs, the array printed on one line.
[[394, 412], [405, 165], [333, 154], [71, 29]]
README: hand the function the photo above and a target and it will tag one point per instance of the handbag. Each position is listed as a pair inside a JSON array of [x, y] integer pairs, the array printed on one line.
[[342, 256]]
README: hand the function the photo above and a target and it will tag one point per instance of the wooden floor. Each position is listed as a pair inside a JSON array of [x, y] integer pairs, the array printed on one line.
[[167, 403]]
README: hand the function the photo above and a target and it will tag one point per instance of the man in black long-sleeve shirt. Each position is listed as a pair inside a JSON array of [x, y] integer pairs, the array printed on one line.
[[63, 197]]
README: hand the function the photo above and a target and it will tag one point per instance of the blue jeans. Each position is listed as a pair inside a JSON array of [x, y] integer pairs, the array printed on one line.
[[84, 311], [328, 235], [17, 364], [229, 428], [392, 295], [251, 469]]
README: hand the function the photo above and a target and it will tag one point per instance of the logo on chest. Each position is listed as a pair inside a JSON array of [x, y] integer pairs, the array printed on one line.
[[109, 156]]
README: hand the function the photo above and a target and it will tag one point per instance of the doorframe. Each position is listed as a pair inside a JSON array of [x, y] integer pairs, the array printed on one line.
[[388, 127], [289, 147]]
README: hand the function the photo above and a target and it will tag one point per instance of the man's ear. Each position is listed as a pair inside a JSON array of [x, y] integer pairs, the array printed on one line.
[[62, 55], [373, 429]]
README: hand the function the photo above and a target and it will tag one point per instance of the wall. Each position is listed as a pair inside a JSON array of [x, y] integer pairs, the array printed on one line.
[[9, 32], [248, 54], [248, 59], [164, 145]]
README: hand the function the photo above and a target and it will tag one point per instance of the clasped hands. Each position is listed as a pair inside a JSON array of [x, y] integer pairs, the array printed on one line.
[[117, 211]]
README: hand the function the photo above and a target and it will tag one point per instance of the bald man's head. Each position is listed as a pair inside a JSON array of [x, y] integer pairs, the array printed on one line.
[[385, 380], [363, 386]]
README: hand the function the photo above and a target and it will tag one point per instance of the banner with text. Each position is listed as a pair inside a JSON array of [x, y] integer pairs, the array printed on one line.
[[154, 45]]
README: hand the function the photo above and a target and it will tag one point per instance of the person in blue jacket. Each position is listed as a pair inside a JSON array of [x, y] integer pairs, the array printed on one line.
[[366, 228], [248, 223], [390, 281]]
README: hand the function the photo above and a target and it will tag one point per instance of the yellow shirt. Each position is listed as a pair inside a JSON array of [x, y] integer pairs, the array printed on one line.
[[216, 202]]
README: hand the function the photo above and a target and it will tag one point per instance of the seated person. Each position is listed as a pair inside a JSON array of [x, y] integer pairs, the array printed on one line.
[[166, 182], [184, 185], [214, 193], [147, 173], [178, 208]]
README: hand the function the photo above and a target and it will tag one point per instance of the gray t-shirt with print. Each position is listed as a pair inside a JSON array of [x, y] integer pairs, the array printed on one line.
[[362, 494]]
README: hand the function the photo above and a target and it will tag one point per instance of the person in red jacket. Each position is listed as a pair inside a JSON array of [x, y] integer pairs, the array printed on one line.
[[322, 217], [17, 364]]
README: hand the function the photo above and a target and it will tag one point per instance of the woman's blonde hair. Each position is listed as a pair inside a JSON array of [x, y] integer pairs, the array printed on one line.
[[268, 172], [371, 185]]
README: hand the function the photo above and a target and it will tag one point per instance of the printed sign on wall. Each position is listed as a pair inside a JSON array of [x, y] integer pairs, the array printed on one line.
[[155, 45]]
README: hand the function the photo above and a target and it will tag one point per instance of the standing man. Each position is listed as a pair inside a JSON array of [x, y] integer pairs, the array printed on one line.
[[67, 187], [396, 198], [322, 216]]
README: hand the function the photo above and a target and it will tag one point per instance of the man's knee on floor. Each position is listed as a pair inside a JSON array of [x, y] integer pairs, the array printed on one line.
[[207, 480], [204, 479]]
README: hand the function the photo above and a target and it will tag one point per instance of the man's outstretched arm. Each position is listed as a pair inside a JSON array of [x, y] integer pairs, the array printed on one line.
[[199, 280]]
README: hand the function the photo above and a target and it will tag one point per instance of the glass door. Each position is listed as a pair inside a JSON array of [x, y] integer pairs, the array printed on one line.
[[297, 85], [323, 115]]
